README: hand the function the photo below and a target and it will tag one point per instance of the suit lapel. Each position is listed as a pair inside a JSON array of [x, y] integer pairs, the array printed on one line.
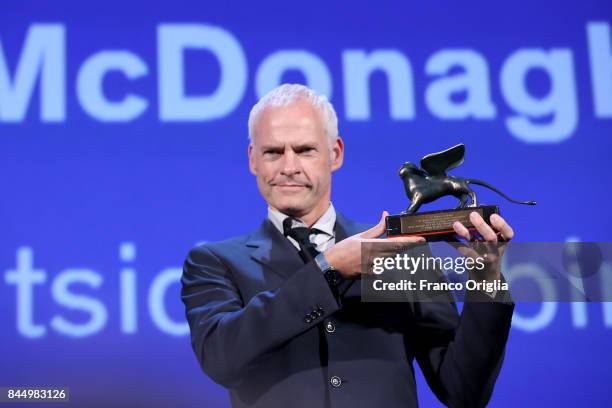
[[273, 250], [344, 229]]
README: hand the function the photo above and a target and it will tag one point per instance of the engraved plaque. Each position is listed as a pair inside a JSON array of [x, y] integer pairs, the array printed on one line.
[[435, 223]]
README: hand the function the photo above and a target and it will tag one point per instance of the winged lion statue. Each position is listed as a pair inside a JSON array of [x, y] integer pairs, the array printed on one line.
[[430, 181]]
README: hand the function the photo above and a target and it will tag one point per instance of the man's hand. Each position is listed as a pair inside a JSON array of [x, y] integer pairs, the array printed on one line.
[[488, 246], [345, 256]]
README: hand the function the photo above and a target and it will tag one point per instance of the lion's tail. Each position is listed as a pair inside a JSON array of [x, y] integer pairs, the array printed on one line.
[[487, 185]]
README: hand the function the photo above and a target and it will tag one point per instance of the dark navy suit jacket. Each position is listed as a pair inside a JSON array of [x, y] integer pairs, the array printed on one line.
[[247, 300]]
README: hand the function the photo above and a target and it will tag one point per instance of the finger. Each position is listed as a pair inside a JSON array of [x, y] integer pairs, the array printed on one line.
[[482, 227], [502, 226], [408, 239], [378, 229], [467, 252], [488, 250], [396, 242], [394, 245], [465, 249], [461, 230]]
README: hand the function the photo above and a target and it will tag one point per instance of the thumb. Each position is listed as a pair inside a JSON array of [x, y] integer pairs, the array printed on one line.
[[377, 230]]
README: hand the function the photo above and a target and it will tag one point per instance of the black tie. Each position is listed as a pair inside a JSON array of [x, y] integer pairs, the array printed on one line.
[[308, 251]]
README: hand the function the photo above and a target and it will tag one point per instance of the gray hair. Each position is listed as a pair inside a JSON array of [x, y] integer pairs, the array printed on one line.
[[286, 94]]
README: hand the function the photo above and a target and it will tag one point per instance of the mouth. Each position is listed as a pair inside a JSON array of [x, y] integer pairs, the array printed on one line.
[[290, 186]]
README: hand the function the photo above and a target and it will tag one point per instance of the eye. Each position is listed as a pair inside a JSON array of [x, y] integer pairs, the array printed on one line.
[[306, 150], [271, 152]]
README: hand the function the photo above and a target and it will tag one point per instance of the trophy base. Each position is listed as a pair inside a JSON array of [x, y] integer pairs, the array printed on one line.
[[436, 225]]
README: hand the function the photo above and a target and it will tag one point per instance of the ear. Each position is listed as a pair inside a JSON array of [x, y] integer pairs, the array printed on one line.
[[337, 154], [251, 160]]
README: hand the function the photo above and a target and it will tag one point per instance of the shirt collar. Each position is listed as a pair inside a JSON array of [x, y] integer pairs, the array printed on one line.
[[324, 224]]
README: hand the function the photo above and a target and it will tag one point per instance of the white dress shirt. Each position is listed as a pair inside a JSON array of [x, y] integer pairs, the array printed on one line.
[[323, 239]]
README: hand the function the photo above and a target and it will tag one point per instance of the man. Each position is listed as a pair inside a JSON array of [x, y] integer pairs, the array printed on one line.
[[275, 315]]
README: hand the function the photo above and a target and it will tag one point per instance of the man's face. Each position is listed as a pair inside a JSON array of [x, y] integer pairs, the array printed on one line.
[[291, 158]]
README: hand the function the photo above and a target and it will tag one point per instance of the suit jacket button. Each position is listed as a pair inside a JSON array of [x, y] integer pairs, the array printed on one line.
[[335, 381], [329, 327], [319, 312], [307, 319]]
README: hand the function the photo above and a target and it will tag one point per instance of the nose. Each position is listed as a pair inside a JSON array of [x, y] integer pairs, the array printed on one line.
[[290, 164]]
